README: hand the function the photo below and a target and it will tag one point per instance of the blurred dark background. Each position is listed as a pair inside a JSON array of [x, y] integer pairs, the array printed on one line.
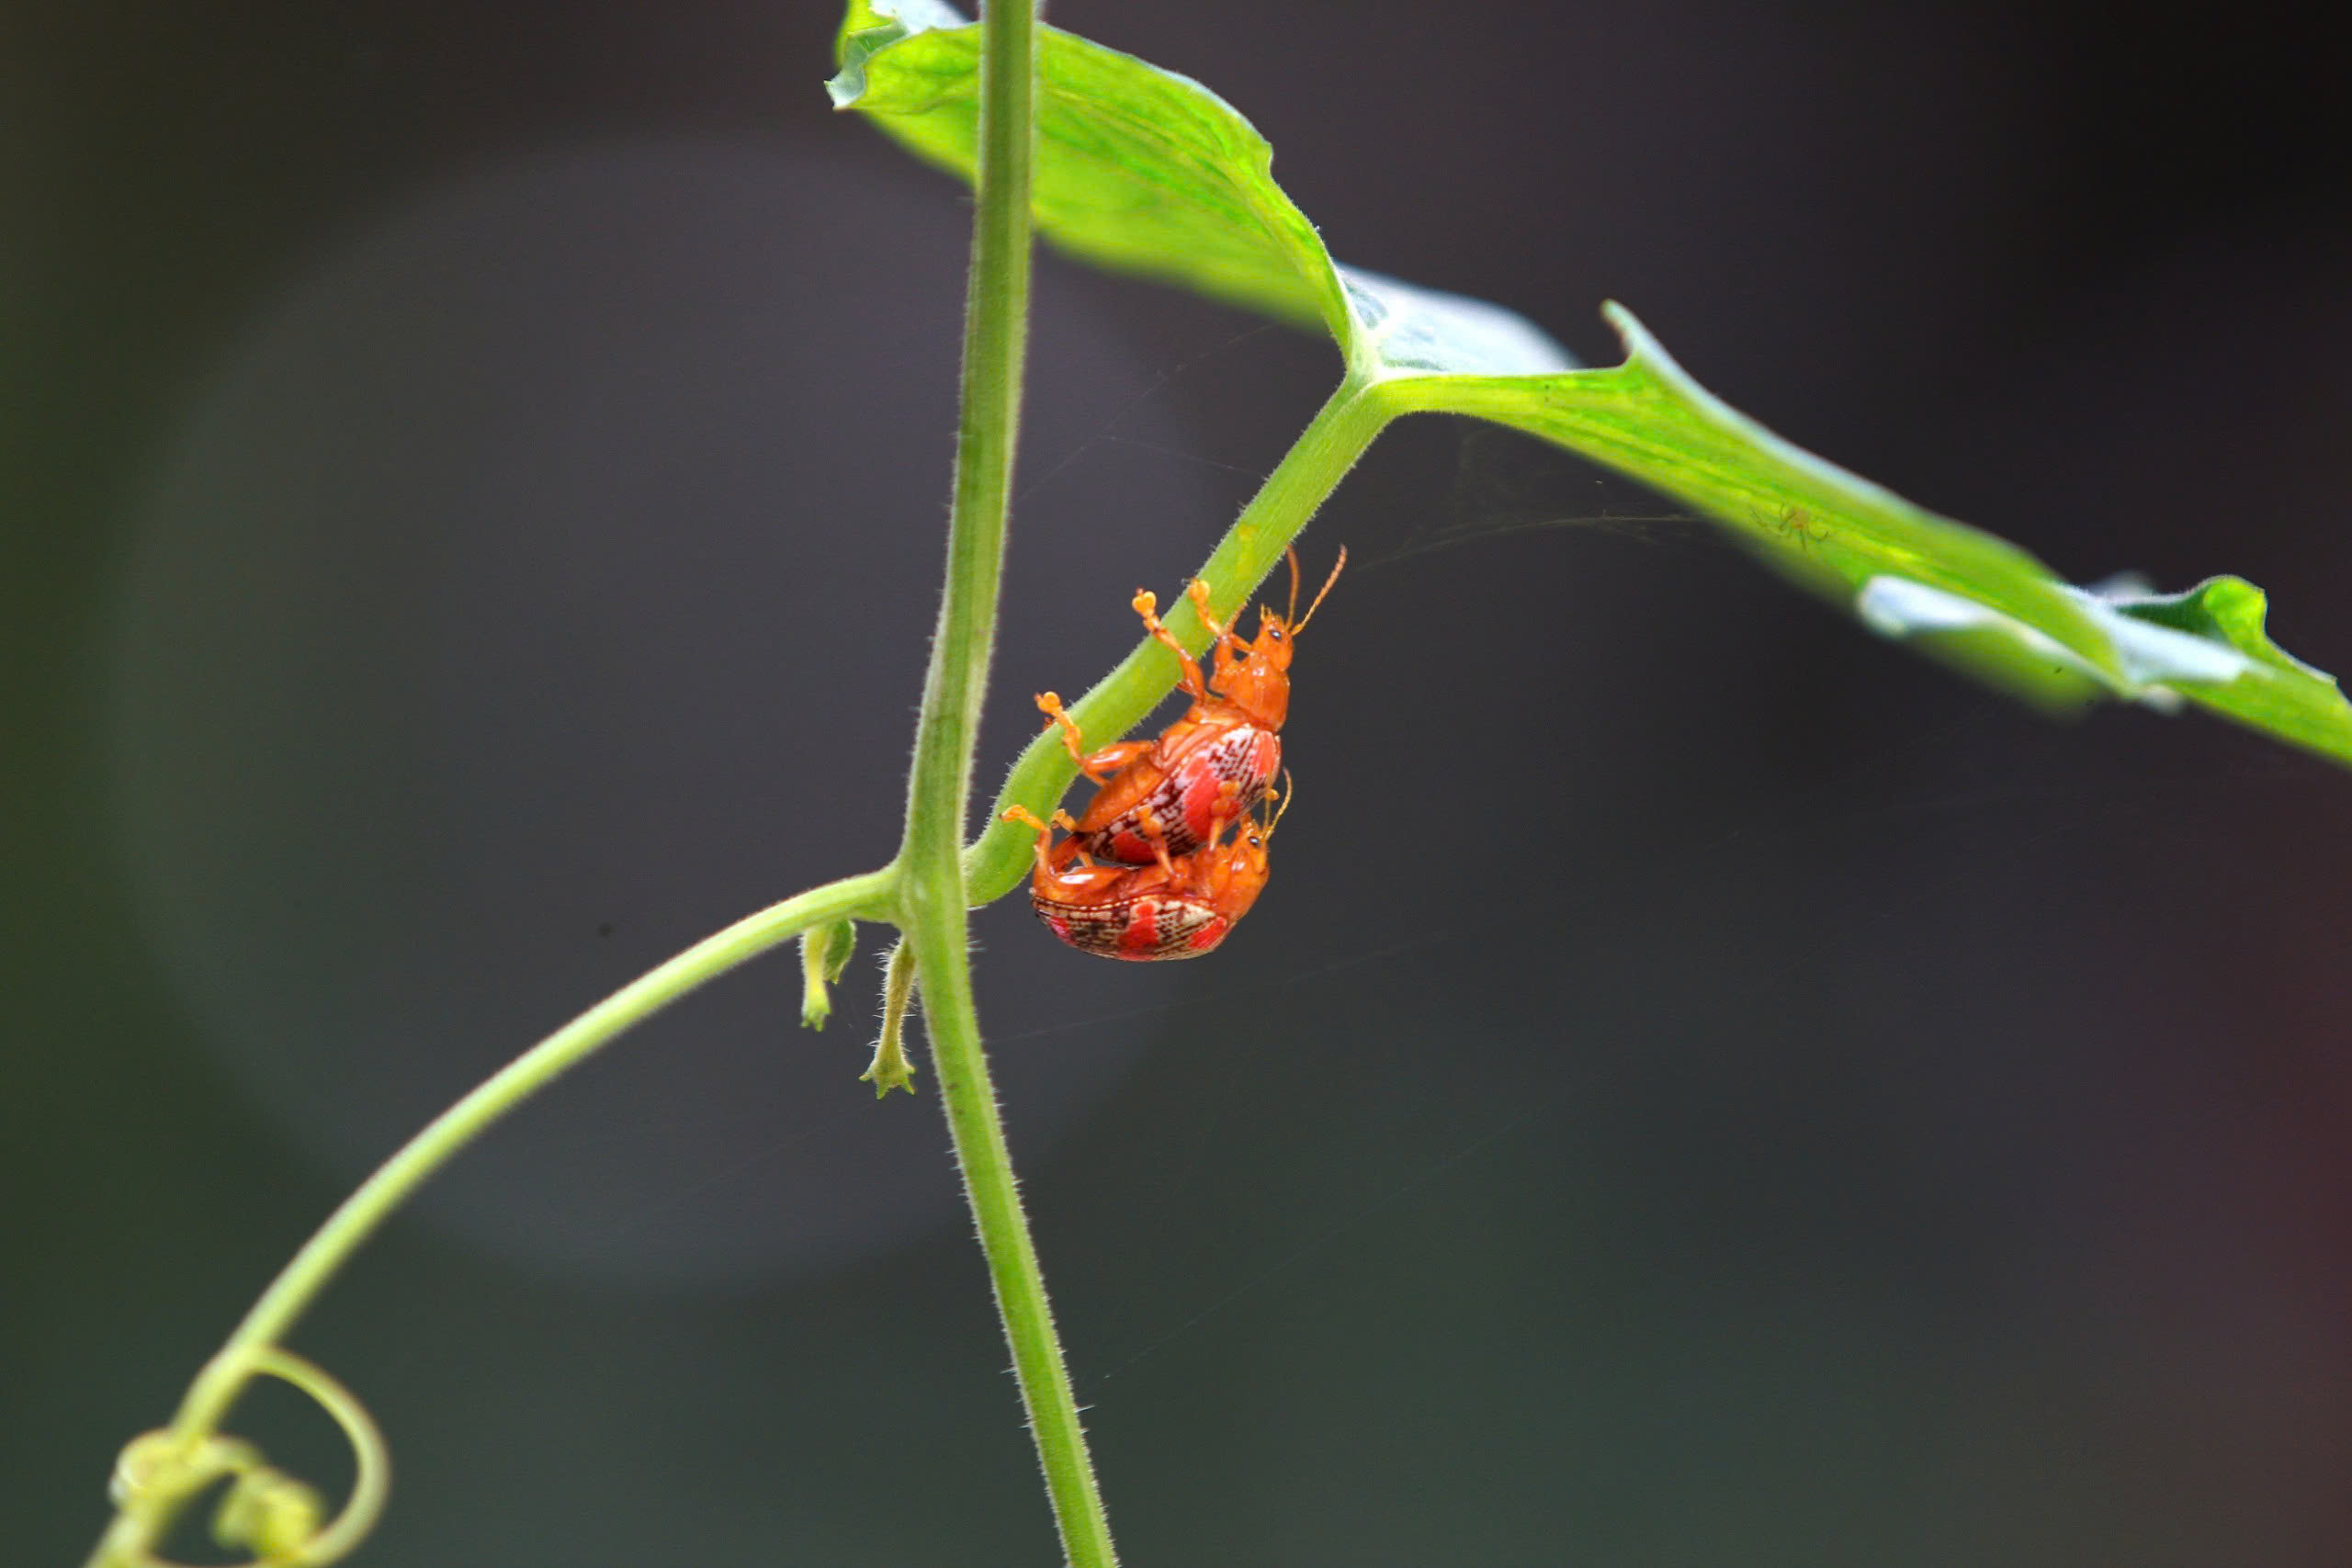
[[1704, 1086]]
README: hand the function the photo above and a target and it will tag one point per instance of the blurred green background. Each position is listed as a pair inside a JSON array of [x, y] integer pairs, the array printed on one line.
[[1702, 1087]]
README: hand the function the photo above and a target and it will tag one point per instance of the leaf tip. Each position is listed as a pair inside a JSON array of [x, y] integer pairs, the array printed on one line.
[[1638, 342]]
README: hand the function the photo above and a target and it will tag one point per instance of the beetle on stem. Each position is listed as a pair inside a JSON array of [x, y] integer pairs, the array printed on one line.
[[1160, 798], [1170, 908]]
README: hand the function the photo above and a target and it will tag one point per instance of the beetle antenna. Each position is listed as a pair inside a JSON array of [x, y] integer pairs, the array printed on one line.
[[1282, 809], [1289, 616], [1298, 626]]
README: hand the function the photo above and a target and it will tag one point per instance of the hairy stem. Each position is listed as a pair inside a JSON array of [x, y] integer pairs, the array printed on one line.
[[349, 1226], [933, 894]]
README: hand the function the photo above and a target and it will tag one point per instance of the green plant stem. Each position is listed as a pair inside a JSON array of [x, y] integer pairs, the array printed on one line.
[[999, 858], [160, 1472], [969, 1100], [864, 897], [933, 894]]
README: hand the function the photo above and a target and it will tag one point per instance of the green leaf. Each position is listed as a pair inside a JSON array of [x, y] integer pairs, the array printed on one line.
[[1138, 169], [1147, 172], [1959, 593], [2270, 690], [1143, 171]]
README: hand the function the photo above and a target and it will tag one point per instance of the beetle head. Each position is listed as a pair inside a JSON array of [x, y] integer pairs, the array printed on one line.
[[1258, 679], [1242, 867]]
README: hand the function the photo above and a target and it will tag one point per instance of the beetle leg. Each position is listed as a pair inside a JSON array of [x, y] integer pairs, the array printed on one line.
[[1044, 831], [1154, 832], [1226, 807], [1070, 849], [1111, 758], [1096, 765], [1197, 592], [1224, 812], [1148, 606], [1050, 705], [1230, 647]]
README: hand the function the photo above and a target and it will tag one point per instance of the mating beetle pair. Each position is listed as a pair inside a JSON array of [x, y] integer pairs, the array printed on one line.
[[1171, 889]]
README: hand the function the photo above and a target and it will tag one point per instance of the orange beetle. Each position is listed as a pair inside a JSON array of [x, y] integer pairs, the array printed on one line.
[[1161, 798], [1168, 909]]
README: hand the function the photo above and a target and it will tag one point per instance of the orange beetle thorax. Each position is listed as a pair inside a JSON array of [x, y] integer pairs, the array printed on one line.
[[1257, 682], [1240, 875], [1236, 871], [1237, 874]]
